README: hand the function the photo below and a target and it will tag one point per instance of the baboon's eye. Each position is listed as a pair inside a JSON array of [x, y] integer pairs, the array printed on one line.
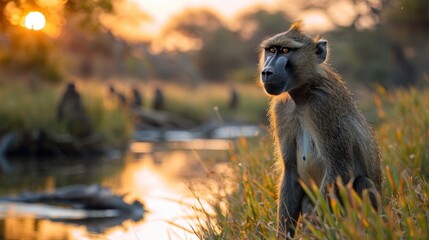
[[272, 49], [285, 50]]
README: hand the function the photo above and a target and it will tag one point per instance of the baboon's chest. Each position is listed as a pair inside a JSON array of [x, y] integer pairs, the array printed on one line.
[[309, 162]]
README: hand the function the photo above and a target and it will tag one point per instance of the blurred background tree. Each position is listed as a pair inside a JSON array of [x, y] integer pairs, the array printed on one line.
[[382, 41], [378, 41], [79, 37]]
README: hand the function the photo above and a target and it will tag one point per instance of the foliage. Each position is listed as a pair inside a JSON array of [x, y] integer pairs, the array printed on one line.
[[221, 50], [89, 11], [26, 52], [31, 51], [238, 50], [358, 59], [188, 29], [409, 15], [249, 210], [193, 23], [228, 54], [258, 24], [406, 26]]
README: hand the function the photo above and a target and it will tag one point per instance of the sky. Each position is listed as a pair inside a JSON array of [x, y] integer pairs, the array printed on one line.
[[136, 26], [161, 10]]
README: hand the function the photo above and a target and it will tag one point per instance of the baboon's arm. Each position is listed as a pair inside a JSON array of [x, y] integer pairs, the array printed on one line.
[[291, 194]]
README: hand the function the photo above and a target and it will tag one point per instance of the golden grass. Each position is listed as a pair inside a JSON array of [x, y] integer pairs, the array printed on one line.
[[249, 211], [26, 108]]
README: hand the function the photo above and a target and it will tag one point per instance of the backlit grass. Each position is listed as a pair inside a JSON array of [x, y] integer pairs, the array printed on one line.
[[28, 108], [249, 210]]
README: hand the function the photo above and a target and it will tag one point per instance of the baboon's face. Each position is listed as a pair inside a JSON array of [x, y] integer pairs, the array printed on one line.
[[286, 62], [277, 74]]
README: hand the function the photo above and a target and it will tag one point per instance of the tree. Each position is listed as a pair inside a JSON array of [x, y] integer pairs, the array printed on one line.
[[256, 25], [357, 14], [24, 50], [221, 53], [188, 29], [215, 49], [407, 24]]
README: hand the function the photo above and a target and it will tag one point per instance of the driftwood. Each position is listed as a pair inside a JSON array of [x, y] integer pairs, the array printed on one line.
[[92, 197], [6, 142], [93, 206], [209, 130]]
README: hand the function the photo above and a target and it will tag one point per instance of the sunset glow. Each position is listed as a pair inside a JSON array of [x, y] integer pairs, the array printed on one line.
[[161, 11], [35, 21]]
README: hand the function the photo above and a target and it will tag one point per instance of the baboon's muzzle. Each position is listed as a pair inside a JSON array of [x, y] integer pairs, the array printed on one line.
[[274, 76]]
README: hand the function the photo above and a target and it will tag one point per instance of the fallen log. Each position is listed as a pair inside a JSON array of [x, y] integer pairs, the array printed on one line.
[[40, 142], [92, 197]]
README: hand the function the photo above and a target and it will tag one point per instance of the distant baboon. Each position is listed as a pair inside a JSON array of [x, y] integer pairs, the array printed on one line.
[[320, 134], [71, 111], [122, 99], [112, 90], [118, 96], [233, 99], [137, 100], [158, 100]]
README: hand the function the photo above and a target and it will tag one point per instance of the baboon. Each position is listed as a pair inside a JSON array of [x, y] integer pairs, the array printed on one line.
[[112, 90], [233, 99], [319, 133], [71, 111], [122, 99], [137, 100], [118, 96], [158, 100]]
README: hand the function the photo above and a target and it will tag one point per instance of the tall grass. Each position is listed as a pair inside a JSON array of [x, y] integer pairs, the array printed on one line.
[[112, 122], [249, 210], [25, 108]]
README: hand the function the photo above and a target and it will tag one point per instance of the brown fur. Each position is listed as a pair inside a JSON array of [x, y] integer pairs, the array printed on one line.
[[318, 120]]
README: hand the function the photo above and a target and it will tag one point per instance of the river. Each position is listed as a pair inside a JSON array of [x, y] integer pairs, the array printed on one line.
[[160, 176]]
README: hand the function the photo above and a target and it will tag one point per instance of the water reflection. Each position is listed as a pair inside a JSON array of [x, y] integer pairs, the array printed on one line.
[[160, 178]]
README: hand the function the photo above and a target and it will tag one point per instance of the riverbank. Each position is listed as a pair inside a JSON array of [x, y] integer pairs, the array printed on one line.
[[30, 123]]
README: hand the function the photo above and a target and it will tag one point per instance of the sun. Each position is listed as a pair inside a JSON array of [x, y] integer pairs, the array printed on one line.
[[35, 21]]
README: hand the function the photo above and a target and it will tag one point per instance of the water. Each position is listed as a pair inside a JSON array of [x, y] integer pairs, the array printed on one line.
[[159, 176]]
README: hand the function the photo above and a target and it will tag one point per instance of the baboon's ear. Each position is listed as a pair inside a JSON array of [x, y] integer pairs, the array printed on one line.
[[321, 50]]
